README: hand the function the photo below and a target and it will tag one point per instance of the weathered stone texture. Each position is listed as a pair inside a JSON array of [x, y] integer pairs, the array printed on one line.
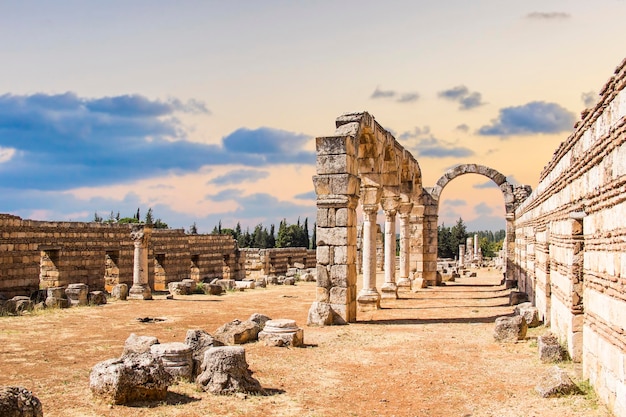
[[571, 241], [19, 402]]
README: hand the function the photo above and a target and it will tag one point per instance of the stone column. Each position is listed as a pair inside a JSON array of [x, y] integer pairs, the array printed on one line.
[[140, 234], [389, 288], [405, 254], [509, 254], [369, 298], [475, 247], [461, 256]]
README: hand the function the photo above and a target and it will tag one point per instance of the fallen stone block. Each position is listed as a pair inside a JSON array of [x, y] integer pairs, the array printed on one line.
[[248, 285], [130, 378], [225, 371], [139, 344], [289, 281], [550, 349], [261, 282], [177, 359], [120, 292], [308, 277], [555, 383], [510, 329], [190, 284], [214, 289], [259, 319], [199, 341], [77, 294], [19, 402], [178, 288], [517, 297], [18, 304], [237, 332], [282, 332], [97, 298], [298, 265], [226, 284], [56, 298], [530, 314]]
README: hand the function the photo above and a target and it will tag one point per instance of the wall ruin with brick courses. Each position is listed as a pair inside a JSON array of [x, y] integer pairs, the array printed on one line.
[[570, 249], [275, 261], [40, 254]]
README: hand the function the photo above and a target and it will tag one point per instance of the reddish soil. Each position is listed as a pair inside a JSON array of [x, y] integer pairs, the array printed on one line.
[[429, 353]]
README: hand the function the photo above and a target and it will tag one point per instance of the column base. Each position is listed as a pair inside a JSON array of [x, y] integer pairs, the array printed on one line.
[[368, 300], [404, 283], [389, 290], [140, 292]]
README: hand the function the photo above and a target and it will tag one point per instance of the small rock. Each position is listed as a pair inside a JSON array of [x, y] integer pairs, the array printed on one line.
[[289, 281], [237, 332], [19, 402], [97, 298], [549, 348], [510, 329], [120, 292], [139, 344], [215, 289], [259, 319], [555, 383]]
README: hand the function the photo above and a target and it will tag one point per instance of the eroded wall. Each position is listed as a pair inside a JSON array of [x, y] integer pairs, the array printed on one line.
[[571, 243]]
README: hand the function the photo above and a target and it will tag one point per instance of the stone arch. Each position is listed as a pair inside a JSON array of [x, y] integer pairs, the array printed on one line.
[[498, 178]]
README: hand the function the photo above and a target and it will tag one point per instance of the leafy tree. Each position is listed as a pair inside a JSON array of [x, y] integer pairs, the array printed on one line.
[[160, 224], [97, 218], [193, 229], [149, 218]]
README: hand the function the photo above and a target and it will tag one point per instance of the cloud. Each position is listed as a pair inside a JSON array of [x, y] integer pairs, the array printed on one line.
[[306, 196], [467, 100], [589, 98], [456, 202], [239, 176], [378, 93], [63, 141], [401, 97], [408, 98], [421, 141], [483, 208], [463, 128], [531, 118], [548, 16], [487, 184], [6, 154]]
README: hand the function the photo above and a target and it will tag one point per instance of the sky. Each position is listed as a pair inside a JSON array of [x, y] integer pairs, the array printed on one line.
[[207, 111]]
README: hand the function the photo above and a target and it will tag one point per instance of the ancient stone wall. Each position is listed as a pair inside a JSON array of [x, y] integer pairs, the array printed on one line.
[[275, 261], [39, 254], [571, 243]]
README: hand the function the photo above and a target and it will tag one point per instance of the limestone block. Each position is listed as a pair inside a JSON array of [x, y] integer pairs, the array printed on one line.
[[120, 292], [550, 349], [261, 282], [226, 284], [214, 289], [237, 332], [199, 341], [248, 285], [334, 236], [282, 332], [516, 297], [97, 298], [56, 298], [177, 359], [510, 329], [555, 383], [225, 371], [139, 344], [259, 319], [308, 277], [190, 284], [18, 304], [19, 402], [178, 288], [77, 294], [130, 378], [320, 314]]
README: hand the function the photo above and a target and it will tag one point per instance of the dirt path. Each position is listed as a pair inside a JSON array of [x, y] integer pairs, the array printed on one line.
[[429, 353]]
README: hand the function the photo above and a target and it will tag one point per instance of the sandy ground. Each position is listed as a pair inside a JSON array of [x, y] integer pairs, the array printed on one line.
[[429, 353]]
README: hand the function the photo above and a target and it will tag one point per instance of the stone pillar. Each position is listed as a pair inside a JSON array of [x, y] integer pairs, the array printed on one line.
[[389, 288], [337, 187], [405, 253], [369, 298], [475, 247], [509, 248], [140, 234], [461, 256]]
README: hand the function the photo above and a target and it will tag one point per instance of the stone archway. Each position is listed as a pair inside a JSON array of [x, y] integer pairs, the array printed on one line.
[[513, 196]]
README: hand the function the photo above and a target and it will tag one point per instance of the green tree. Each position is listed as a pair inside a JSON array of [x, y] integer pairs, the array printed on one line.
[[458, 237], [97, 218], [193, 229], [149, 217]]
